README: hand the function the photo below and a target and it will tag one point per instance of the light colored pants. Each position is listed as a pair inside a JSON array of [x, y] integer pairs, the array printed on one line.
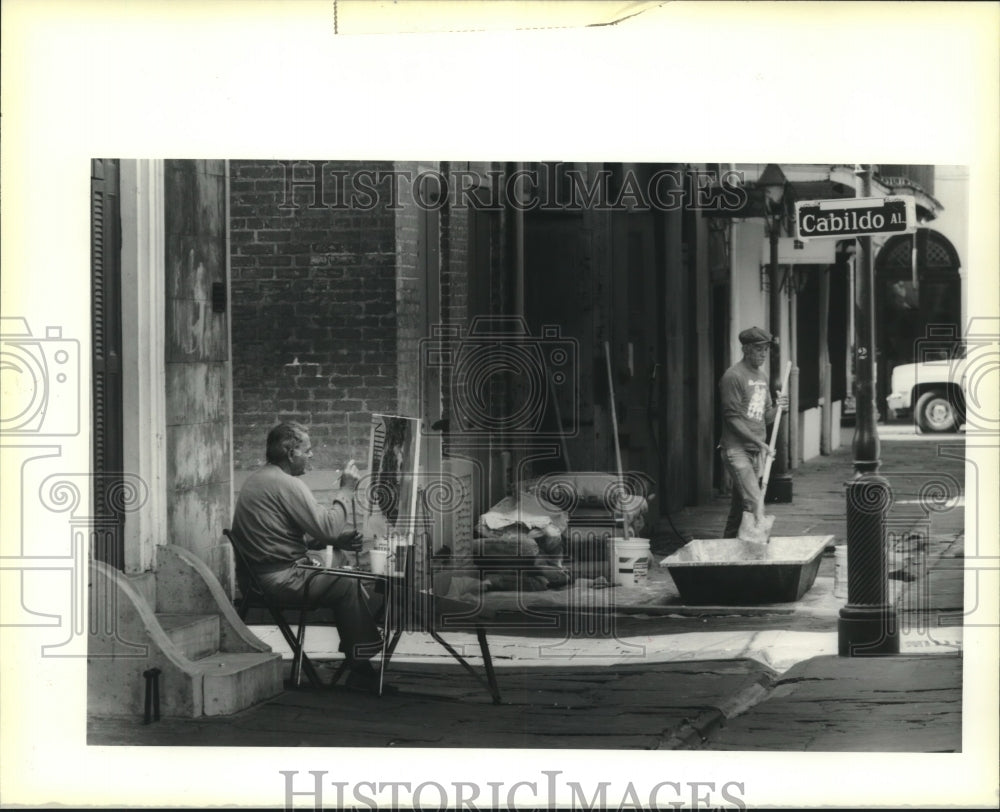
[[744, 468], [359, 636]]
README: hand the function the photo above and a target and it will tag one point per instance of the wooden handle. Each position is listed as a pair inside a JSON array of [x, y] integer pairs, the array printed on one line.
[[774, 436], [614, 425]]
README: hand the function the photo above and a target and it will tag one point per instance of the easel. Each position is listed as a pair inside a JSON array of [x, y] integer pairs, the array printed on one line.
[[410, 605], [410, 609], [407, 609]]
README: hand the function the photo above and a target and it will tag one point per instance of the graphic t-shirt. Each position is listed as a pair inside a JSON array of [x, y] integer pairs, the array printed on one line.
[[744, 393]]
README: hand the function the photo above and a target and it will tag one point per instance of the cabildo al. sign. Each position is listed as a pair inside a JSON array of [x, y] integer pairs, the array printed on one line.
[[855, 217]]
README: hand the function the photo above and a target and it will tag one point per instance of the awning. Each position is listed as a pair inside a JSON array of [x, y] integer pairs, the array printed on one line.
[[821, 182]]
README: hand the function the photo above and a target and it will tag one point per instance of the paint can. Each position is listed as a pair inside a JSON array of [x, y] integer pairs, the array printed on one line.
[[840, 571], [379, 560], [631, 561]]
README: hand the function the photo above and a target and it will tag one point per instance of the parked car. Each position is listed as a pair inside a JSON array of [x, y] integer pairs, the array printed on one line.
[[933, 392]]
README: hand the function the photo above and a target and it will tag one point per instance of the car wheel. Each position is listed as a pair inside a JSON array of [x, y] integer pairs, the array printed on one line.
[[935, 412]]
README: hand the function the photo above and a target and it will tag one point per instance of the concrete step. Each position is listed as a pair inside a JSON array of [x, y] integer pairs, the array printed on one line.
[[233, 681], [145, 583], [195, 635]]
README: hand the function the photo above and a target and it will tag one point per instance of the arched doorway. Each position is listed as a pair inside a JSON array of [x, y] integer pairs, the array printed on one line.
[[904, 310]]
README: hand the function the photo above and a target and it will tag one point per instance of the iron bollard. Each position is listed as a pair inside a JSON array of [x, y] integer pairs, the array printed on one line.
[[152, 676], [867, 624]]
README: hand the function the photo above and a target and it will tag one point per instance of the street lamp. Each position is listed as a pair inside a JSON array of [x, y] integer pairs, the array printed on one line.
[[868, 623], [773, 182]]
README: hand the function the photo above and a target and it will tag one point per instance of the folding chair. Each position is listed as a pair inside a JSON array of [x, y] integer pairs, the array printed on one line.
[[253, 595]]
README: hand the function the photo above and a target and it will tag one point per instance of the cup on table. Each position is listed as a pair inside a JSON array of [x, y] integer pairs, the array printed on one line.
[[379, 559], [326, 555]]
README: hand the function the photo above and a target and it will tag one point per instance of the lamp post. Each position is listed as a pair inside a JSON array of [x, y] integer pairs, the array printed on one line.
[[772, 181], [867, 624]]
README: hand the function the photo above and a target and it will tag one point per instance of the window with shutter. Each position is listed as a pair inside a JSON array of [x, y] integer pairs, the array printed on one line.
[[105, 264]]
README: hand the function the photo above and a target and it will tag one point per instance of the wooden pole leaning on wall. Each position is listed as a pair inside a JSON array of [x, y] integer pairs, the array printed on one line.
[[626, 530]]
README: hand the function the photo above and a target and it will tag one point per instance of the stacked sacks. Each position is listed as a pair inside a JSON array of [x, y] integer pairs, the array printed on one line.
[[518, 544], [596, 504]]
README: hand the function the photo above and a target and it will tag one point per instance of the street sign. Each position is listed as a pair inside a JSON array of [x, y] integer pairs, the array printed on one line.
[[855, 217], [795, 252]]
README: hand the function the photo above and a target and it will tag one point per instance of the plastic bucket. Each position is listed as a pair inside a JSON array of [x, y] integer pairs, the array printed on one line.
[[840, 571], [631, 561]]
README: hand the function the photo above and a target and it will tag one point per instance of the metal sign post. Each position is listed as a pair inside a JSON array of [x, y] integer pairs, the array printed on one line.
[[867, 624]]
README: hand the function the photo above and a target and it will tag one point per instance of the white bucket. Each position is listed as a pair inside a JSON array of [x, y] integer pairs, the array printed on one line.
[[378, 560], [631, 561], [840, 571]]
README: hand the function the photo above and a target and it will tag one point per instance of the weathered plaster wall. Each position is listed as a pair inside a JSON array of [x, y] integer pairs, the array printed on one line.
[[197, 362]]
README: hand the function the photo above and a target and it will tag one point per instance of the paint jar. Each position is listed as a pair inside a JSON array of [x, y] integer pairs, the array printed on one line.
[[840, 571], [631, 561], [379, 559], [326, 555]]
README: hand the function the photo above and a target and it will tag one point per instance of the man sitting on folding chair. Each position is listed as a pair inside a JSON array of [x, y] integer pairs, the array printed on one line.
[[274, 512]]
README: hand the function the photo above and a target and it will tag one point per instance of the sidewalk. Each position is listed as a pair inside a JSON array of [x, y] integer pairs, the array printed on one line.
[[909, 703], [920, 470], [662, 675], [879, 704]]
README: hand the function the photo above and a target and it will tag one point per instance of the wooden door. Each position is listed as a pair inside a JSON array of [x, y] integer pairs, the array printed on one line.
[[565, 300], [635, 340]]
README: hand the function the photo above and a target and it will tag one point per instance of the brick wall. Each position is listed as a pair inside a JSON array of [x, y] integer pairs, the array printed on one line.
[[313, 305], [330, 306], [411, 252]]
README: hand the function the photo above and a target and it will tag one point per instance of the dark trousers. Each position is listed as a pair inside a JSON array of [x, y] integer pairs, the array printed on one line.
[[345, 597]]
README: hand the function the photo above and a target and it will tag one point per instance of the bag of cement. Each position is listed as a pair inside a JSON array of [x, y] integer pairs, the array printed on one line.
[[751, 530], [527, 511], [509, 544], [568, 492]]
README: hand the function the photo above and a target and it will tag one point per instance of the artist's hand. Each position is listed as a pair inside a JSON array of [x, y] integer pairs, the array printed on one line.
[[351, 541], [782, 402], [350, 476]]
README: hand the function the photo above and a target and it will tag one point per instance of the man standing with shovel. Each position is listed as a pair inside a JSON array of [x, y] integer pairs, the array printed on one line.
[[746, 410]]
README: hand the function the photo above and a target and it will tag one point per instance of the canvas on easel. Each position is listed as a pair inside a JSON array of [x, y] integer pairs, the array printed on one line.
[[393, 463]]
